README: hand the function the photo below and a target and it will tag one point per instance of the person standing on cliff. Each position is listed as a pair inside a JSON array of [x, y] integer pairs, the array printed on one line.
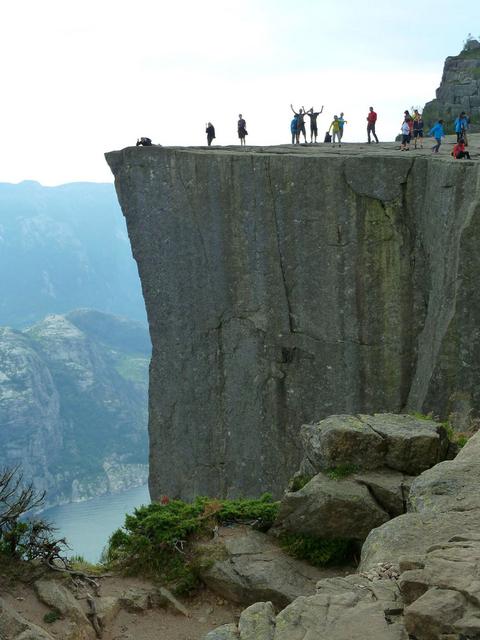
[[313, 115], [210, 131], [417, 128], [438, 132], [341, 123], [461, 126], [335, 129], [300, 123], [371, 122], [293, 129], [242, 129]]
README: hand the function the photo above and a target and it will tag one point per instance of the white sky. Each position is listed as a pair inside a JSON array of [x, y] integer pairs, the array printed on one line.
[[82, 78]]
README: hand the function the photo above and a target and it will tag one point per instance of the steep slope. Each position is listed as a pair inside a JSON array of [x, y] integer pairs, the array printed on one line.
[[63, 248], [73, 404], [283, 285]]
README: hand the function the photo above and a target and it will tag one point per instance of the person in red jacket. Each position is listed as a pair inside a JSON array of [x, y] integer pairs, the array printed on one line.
[[371, 121], [459, 150]]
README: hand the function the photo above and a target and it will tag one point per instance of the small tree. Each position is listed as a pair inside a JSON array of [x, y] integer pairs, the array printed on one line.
[[22, 537]]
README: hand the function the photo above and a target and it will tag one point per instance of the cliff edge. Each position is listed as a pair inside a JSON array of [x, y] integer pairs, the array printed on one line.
[[286, 284]]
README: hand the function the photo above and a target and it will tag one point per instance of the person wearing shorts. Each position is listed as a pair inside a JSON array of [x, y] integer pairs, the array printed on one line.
[[300, 123], [242, 129], [313, 115], [405, 146], [417, 128]]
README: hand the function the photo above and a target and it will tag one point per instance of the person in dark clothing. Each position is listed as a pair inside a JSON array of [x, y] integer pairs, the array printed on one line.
[[144, 142], [210, 131], [242, 129], [293, 129], [300, 123], [313, 115], [371, 122]]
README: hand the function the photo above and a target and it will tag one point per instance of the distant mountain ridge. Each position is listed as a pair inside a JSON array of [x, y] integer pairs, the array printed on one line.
[[73, 403], [62, 248]]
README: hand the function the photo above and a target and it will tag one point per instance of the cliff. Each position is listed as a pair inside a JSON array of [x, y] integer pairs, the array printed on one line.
[[459, 89], [283, 285], [73, 399]]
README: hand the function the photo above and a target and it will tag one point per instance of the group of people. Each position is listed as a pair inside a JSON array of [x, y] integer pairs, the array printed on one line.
[[412, 127]]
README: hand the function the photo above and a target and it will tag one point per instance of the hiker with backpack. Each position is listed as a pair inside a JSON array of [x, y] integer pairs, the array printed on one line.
[[461, 126], [242, 129], [143, 142], [210, 131], [300, 123], [313, 115], [417, 128]]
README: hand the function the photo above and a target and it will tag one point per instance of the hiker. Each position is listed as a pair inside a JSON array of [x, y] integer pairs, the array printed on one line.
[[300, 123], [313, 115], [210, 131], [371, 122], [293, 129], [459, 152], [438, 132], [461, 126], [242, 129], [144, 142], [417, 128], [405, 146], [341, 123], [328, 137], [335, 129]]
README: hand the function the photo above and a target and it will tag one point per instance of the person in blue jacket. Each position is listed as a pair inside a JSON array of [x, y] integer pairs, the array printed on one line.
[[461, 126], [294, 129], [438, 132]]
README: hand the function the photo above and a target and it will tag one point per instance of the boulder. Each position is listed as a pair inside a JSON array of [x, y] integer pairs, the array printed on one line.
[[250, 567], [56, 596], [225, 632], [390, 489], [257, 622], [412, 444], [444, 501], [434, 614], [13, 626], [398, 441], [328, 508], [340, 440]]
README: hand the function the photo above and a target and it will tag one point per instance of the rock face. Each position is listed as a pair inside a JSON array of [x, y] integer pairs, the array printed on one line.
[[459, 90], [283, 286], [252, 567], [362, 468], [444, 502], [73, 404]]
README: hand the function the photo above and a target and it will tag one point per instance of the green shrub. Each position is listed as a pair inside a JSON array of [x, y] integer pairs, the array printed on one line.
[[51, 616], [156, 541], [342, 471], [298, 482], [317, 551]]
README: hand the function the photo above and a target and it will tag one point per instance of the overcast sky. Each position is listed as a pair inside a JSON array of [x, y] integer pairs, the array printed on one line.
[[81, 78]]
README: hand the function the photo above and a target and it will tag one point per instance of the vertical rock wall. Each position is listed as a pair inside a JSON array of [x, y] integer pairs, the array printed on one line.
[[283, 287]]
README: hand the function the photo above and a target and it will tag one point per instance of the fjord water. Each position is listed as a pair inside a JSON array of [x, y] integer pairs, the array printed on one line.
[[88, 525]]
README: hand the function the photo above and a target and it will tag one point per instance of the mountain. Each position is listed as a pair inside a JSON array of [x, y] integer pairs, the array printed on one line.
[[73, 403], [62, 248]]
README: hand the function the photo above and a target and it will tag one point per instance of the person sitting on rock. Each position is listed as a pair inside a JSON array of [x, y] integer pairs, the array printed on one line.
[[144, 142], [459, 152]]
